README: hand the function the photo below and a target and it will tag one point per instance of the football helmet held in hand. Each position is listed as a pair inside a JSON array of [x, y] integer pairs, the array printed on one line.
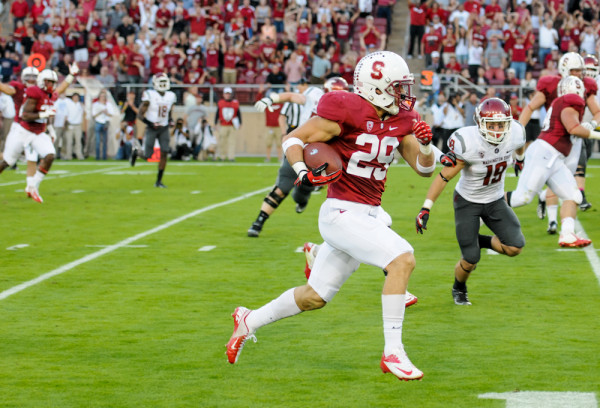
[[493, 117], [383, 78]]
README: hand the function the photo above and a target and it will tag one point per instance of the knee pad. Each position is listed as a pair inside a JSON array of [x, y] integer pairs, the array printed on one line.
[[580, 172], [466, 268], [520, 200], [273, 199], [578, 197]]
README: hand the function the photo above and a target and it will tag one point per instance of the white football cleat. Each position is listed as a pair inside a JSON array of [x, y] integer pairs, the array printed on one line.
[[410, 299], [309, 252], [33, 193], [241, 333], [573, 241], [398, 364]]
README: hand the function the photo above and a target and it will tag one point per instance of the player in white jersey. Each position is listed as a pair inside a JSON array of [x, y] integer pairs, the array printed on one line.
[[483, 153], [155, 112], [308, 98]]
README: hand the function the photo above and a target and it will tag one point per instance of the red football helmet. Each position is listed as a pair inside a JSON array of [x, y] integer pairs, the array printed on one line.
[[493, 117], [336, 84], [591, 69]]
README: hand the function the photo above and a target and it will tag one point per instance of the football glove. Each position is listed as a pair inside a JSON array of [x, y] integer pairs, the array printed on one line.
[[588, 125], [422, 132], [315, 178], [519, 164], [448, 159], [264, 103], [48, 112], [74, 69], [422, 218]]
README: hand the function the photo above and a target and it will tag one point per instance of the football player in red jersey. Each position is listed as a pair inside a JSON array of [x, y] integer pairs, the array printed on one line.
[[377, 119], [570, 63], [546, 158], [16, 90]]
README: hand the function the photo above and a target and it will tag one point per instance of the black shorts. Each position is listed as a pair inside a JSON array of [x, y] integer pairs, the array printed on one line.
[[497, 215], [162, 134]]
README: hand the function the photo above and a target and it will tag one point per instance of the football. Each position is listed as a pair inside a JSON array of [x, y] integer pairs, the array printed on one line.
[[315, 154]]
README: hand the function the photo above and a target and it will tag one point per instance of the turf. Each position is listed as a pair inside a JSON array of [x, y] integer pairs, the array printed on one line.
[[145, 324]]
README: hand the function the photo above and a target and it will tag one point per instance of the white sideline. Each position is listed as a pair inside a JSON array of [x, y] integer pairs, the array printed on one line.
[[123, 243], [55, 176], [589, 250]]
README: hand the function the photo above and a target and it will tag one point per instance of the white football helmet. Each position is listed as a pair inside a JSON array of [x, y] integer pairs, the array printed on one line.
[[335, 84], [592, 68], [383, 78], [496, 113], [161, 82], [46, 80], [29, 75], [571, 85], [569, 61]]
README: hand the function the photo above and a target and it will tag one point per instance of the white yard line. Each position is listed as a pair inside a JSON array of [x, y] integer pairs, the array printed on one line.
[[590, 252], [121, 244], [50, 176]]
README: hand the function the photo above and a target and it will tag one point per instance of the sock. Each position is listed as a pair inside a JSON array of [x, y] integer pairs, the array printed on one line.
[[508, 196], [582, 194], [262, 217], [485, 241], [552, 211], [38, 177], [277, 309], [160, 174], [542, 195], [567, 225], [393, 314], [30, 181], [462, 286]]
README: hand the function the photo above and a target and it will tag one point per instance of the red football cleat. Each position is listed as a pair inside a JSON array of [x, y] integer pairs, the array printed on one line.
[[241, 333], [573, 241], [398, 364]]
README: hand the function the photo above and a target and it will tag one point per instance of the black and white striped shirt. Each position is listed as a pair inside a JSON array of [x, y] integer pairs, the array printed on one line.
[[292, 113]]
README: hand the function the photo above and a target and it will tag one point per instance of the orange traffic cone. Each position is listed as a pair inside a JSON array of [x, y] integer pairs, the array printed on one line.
[[156, 155]]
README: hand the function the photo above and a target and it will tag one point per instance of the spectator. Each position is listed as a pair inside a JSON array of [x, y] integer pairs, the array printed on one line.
[[494, 61], [95, 65], [460, 16], [320, 67], [106, 78], [475, 59], [268, 30], [343, 30], [102, 111], [510, 79], [194, 114], [268, 51], [228, 120], [515, 109], [303, 33], [437, 110], [206, 143], [469, 104], [129, 109], [453, 67], [124, 136], [74, 125], [453, 118], [365, 8], [19, 9], [278, 15], [432, 41], [183, 142], [41, 26], [8, 63], [547, 38], [285, 47], [371, 39], [115, 15], [80, 49], [587, 40], [230, 60], [134, 65], [435, 62], [384, 10], [41, 46], [294, 69], [518, 57], [462, 46], [417, 26], [529, 83], [262, 12], [449, 45], [276, 77]]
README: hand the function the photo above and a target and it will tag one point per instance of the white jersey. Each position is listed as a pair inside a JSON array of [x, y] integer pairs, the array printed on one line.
[[159, 107], [482, 178], [309, 109]]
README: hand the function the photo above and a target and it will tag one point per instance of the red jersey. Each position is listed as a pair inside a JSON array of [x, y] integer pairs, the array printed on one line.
[[303, 35], [43, 102], [133, 69], [272, 118], [556, 134], [212, 58], [227, 111], [548, 86], [18, 97], [418, 14], [366, 145], [347, 72], [343, 30], [230, 59]]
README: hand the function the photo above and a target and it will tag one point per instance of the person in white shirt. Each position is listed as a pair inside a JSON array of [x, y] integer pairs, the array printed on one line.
[[59, 125], [453, 118], [75, 122], [548, 38], [483, 153], [101, 113]]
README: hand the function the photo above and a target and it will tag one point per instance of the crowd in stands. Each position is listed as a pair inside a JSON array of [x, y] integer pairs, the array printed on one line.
[[196, 42], [501, 42]]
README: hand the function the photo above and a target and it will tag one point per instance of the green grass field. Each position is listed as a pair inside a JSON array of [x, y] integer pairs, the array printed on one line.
[[138, 312]]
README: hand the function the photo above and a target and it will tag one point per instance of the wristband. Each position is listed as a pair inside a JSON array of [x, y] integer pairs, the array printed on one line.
[[594, 135], [424, 169], [299, 167], [69, 79], [425, 149], [274, 97], [594, 124], [290, 142], [428, 204], [147, 122], [443, 178], [520, 157]]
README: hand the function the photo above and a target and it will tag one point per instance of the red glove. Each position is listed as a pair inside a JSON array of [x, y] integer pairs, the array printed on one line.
[[448, 159], [519, 164], [422, 132], [315, 178], [422, 219]]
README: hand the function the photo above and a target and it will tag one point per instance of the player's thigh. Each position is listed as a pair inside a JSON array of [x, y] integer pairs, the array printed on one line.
[[164, 139], [572, 160], [367, 238], [562, 182], [536, 171], [13, 147], [466, 223], [43, 145], [331, 269], [286, 176], [149, 141], [503, 221]]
